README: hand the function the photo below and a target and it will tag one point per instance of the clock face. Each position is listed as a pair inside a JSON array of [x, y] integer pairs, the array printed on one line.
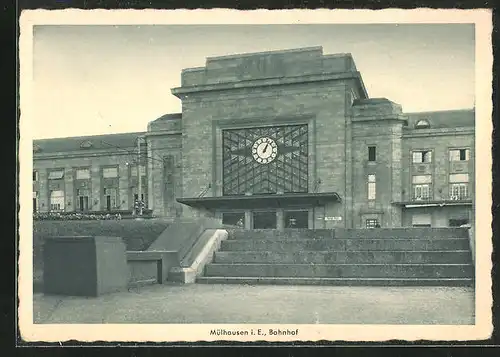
[[264, 150]]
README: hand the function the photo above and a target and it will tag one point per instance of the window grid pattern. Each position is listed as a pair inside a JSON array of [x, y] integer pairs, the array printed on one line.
[[422, 192], [372, 223], [288, 172], [57, 200], [459, 191]]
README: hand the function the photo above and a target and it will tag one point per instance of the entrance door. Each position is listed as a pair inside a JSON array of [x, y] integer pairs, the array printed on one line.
[[108, 203], [83, 203], [264, 220], [296, 219]]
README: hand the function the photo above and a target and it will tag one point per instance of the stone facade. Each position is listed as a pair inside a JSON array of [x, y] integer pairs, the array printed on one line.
[[360, 151]]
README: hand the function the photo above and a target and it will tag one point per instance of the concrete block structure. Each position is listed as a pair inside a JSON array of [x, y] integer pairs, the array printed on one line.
[[274, 140]]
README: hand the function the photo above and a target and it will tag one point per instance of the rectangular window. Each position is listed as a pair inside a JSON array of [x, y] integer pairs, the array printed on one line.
[[459, 186], [422, 187], [459, 155], [372, 153], [459, 191], [372, 187], [82, 174], [421, 192], [372, 223], [133, 171], [35, 176], [56, 200], [422, 156], [110, 172], [56, 175]]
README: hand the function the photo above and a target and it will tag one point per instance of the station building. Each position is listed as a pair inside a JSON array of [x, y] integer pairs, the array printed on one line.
[[273, 140]]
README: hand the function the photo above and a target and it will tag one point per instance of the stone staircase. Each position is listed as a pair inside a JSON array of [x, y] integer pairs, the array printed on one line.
[[377, 257]]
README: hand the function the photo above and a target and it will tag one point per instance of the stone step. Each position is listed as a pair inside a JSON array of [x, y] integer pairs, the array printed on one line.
[[338, 281], [408, 233], [341, 270], [297, 245], [333, 257]]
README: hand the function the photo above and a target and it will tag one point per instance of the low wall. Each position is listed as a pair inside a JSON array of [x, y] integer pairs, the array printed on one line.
[[151, 267]]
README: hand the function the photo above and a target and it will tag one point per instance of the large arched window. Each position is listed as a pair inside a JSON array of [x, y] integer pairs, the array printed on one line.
[[422, 124]]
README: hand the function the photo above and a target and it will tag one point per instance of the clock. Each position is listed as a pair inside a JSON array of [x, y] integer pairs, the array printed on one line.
[[264, 150]]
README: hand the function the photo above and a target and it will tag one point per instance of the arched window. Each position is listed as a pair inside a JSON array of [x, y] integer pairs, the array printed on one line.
[[422, 124]]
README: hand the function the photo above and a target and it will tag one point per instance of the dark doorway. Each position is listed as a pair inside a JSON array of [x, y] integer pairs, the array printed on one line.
[[108, 203], [264, 220], [83, 203], [296, 219], [234, 219]]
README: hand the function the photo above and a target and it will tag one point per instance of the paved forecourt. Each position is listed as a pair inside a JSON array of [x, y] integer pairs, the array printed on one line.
[[201, 303]]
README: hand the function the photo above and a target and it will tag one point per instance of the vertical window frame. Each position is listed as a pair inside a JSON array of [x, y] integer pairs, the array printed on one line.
[[372, 153], [371, 183]]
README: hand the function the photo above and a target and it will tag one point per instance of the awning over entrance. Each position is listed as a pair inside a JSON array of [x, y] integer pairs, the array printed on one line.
[[262, 201], [415, 204]]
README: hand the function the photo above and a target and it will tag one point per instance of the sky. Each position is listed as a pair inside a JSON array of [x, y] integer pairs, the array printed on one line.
[[101, 79]]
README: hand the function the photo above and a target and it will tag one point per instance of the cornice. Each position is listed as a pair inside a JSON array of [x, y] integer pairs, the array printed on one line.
[[419, 133], [181, 92]]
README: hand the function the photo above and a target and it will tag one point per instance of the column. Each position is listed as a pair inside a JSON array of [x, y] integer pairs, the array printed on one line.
[[280, 219], [123, 186], [69, 199], [248, 220], [43, 191], [95, 187], [151, 164]]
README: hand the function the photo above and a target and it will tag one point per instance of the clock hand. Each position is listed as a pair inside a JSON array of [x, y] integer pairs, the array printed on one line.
[[265, 148]]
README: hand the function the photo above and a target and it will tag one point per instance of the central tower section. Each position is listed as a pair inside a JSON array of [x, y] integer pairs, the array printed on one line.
[[266, 138]]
